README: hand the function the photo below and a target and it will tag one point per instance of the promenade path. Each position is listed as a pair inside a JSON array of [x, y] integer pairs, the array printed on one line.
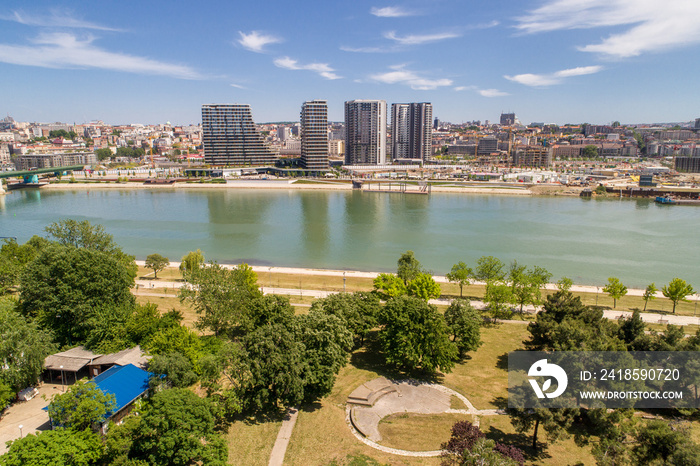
[[151, 287]]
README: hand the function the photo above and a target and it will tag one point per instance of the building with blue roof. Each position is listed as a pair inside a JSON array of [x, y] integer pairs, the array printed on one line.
[[127, 384]]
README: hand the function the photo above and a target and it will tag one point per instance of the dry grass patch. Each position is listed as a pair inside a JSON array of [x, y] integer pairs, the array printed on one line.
[[167, 303], [251, 443], [168, 274], [483, 378], [566, 451], [418, 432]]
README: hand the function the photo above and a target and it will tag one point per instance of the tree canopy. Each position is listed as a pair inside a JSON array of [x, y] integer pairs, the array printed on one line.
[[64, 286], [464, 324], [83, 406], [415, 336], [179, 428], [408, 267], [58, 447], [156, 262], [615, 289], [220, 296], [461, 275], [677, 290], [23, 348]]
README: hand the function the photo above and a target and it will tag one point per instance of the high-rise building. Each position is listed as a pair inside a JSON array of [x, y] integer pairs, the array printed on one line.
[[508, 119], [365, 132], [230, 137], [314, 135], [411, 131]]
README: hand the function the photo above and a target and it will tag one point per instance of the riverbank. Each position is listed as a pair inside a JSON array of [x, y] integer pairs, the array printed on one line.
[[439, 187], [354, 274]]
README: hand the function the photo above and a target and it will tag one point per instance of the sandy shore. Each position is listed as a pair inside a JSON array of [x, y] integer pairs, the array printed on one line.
[[438, 278]]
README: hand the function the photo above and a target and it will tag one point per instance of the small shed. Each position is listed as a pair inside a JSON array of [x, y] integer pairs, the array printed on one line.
[[69, 366], [122, 358]]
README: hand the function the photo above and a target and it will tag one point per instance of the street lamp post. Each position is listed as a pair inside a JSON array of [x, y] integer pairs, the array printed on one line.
[[20, 430], [343, 282]]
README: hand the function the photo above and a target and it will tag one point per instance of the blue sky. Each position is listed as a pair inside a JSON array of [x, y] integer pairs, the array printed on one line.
[[554, 61]]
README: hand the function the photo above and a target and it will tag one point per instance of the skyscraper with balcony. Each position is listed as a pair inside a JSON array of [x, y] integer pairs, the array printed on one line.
[[365, 132], [411, 131], [314, 135], [230, 137]]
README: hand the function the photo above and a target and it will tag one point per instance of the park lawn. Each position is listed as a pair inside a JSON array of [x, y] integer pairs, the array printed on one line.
[[483, 376], [168, 274], [251, 442], [565, 451], [167, 303], [399, 430], [314, 282]]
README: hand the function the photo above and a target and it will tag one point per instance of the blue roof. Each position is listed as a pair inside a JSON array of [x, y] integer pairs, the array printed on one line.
[[126, 383]]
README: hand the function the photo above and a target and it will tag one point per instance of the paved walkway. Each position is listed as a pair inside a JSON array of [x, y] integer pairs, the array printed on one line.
[[29, 414], [150, 287], [282, 442], [407, 396]]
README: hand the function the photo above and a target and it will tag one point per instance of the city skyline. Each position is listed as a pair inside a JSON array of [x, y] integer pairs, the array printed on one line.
[[552, 61]]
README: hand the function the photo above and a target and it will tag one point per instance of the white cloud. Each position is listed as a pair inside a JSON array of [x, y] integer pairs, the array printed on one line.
[[461, 88], [367, 49], [492, 93], [64, 50], [654, 25], [256, 40], [237, 86], [391, 12], [323, 69], [420, 39], [399, 75], [56, 19], [540, 80]]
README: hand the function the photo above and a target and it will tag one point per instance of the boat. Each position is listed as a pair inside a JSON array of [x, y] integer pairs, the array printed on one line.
[[665, 199]]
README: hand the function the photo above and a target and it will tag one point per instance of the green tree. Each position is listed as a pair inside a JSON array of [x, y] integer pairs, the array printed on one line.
[[103, 154], [489, 269], [176, 339], [191, 262], [83, 406], [408, 267], [566, 324], [615, 289], [179, 428], [14, 258], [23, 348], [388, 285], [658, 441], [555, 422], [498, 297], [649, 294], [564, 284], [156, 262], [358, 310], [175, 368], [677, 290], [64, 286], [220, 296], [526, 284], [268, 310], [464, 323], [590, 152], [274, 369], [327, 345], [415, 336], [631, 330], [85, 235], [58, 447], [424, 287], [461, 275]]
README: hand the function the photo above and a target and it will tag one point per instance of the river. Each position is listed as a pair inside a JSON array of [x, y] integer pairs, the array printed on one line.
[[587, 240]]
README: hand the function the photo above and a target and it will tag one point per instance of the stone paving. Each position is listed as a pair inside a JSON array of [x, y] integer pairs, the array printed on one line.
[[408, 396]]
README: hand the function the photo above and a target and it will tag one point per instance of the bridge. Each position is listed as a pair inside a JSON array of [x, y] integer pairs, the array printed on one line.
[[32, 176]]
